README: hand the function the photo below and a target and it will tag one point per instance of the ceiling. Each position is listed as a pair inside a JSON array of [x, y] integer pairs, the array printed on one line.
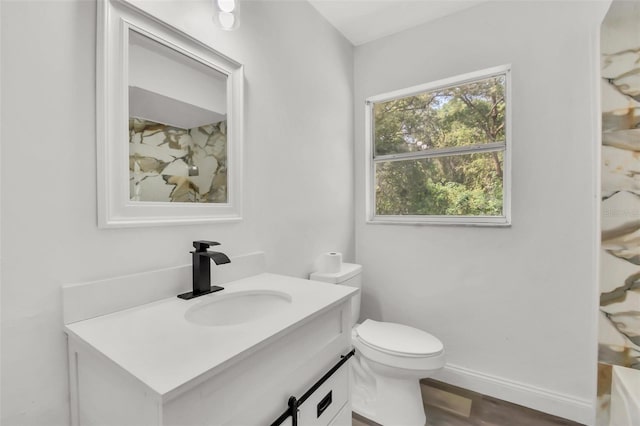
[[362, 21]]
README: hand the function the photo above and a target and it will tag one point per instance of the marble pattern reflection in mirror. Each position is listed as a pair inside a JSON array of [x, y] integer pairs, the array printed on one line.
[[181, 133], [177, 126]]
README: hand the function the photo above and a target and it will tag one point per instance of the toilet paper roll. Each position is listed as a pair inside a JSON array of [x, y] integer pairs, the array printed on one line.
[[332, 262]]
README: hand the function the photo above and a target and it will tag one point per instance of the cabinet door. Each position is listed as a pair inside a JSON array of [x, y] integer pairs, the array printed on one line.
[[343, 418]]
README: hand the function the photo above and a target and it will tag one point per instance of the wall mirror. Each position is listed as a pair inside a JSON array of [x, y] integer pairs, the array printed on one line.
[[169, 124]]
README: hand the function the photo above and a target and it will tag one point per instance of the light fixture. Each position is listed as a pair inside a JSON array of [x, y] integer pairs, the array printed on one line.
[[226, 5], [227, 20], [226, 14], [192, 169]]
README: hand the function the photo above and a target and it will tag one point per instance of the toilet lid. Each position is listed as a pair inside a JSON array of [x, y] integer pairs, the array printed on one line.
[[398, 338]]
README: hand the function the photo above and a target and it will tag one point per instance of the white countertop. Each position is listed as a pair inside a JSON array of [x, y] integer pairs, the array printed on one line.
[[158, 346]]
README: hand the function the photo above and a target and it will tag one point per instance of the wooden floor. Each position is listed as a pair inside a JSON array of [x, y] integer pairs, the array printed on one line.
[[447, 405]]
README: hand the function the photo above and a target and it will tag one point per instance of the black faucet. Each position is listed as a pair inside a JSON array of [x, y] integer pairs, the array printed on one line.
[[202, 269]]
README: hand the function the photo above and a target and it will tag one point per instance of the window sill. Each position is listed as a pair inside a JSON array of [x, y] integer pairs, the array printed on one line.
[[497, 222]]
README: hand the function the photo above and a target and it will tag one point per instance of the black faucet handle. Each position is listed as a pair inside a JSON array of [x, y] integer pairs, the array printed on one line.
[[201, 245]]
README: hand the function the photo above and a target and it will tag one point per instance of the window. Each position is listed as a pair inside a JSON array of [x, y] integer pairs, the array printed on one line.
[[439, 152]]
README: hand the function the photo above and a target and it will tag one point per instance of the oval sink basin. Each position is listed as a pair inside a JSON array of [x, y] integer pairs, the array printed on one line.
[[238, 308]]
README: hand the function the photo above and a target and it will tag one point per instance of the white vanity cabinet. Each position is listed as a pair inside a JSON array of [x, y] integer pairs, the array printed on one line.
[[120, 375]]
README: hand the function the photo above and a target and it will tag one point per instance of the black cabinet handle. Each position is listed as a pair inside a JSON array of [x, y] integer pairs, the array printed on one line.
[[324, 404]]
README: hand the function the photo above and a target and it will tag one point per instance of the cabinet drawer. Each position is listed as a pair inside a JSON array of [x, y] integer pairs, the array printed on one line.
[[323, 405]]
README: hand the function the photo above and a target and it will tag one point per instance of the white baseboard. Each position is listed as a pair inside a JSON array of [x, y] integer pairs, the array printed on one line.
[[558, 404]]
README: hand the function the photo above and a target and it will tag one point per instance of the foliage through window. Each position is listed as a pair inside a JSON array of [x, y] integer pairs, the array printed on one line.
[[439, 151]]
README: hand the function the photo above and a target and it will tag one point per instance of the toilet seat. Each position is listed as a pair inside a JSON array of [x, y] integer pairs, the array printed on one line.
[[409, 349], [398, 339]]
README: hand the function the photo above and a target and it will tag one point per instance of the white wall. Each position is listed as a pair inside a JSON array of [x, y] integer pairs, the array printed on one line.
[[298, 160], [514, 306]]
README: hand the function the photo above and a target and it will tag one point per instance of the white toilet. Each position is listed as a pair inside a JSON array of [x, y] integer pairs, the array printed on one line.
[[389, 363]]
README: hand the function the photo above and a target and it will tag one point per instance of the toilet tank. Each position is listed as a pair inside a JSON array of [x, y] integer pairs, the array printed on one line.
[[350, 274]]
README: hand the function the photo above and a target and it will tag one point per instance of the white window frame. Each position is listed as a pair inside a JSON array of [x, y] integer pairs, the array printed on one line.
[[505, 218]]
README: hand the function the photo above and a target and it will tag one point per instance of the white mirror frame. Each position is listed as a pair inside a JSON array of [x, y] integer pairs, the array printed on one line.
[[115, 209]]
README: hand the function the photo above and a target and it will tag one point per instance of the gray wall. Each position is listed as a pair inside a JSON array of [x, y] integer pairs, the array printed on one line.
[[298, 200], [515, 307]]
